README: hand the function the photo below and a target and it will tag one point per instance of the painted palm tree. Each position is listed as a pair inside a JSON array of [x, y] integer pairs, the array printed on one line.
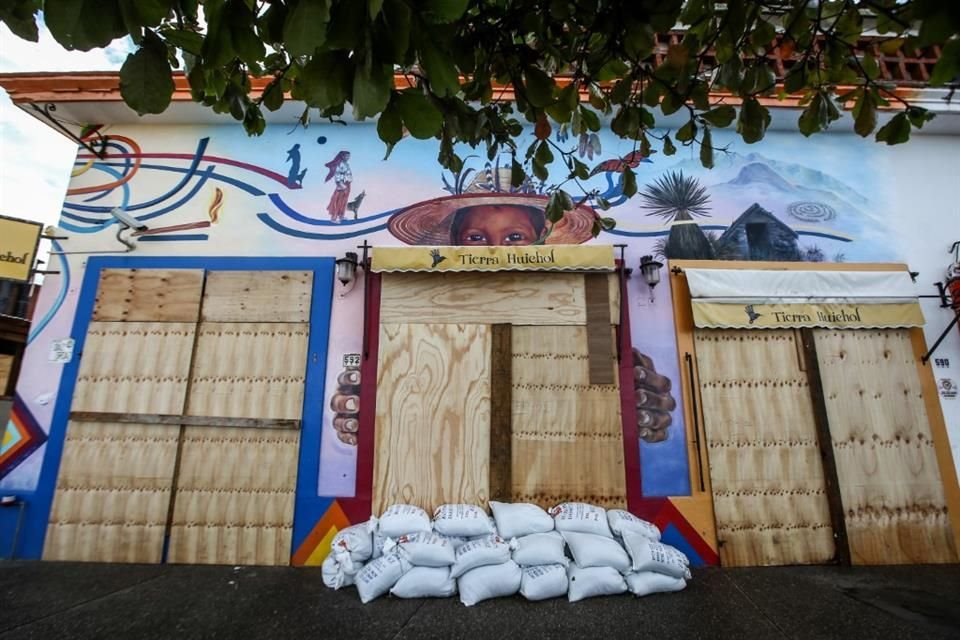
[[680, 199]]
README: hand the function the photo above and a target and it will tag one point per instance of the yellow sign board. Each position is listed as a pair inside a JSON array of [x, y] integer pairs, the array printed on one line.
[[506, 258], [18, 247], [824, 315]]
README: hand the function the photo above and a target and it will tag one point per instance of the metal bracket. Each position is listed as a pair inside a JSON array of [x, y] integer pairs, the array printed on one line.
[[47, 112]]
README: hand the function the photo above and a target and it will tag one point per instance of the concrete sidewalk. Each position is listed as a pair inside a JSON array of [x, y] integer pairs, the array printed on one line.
[[67, 600]]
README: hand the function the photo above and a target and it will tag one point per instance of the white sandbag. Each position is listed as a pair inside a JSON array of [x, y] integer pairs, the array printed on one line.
[[581, 518], [538, 548], [644, 583], [401, 519], [425, 582], [424, 549], [334, 575], [621, 521], [356, 540], [490, 581], [591, 550], [646, 555], [378, 541], [478, 553], [520, 519], [461, 520], [378, 576], [457, 541], [588, 582], [544, 582]]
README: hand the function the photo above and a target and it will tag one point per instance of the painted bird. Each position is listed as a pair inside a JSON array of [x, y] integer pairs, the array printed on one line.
[[354, 205], [632, 160], [753, 315], [437, 258]]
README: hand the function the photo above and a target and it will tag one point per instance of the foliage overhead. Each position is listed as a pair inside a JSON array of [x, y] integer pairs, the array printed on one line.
[[459, 56]]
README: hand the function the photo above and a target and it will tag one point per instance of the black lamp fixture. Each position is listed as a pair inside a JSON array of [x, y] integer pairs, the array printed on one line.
[[650, 269], [347, 268]]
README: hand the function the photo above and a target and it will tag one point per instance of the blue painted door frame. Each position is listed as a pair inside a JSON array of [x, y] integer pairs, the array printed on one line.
[[307, 503]]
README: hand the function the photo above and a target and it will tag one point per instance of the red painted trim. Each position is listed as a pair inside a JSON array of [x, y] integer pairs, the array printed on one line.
[[628, 402], [359, 507]]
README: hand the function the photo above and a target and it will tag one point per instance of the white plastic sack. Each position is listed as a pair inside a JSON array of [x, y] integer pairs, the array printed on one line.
[[490, 581], [646, 582], [539, 548], [425, 582], [401, 519], [544, 582], [334, 575], [581, 518], [424, 549], [593, 581], [461, 520], [378, 576], [356, 540], [478, 553], [457, 541], [655, 556], [520, 519], [591, 550], [621, 521], [378, 541]]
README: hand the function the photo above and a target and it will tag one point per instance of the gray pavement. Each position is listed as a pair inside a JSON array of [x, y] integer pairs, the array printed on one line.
[[70, 600]]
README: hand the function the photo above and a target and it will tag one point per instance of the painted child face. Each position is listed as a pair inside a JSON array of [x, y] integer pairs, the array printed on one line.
[[496, 225]]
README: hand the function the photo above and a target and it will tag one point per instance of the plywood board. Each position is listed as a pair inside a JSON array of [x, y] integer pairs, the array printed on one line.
[[134, 367], [601, 352], [235, 496], [112, 494], [433, 415], [767, 479], [886, 462], [484, 298], [249, 370], [140, 295], [257, 296], [567, 433]]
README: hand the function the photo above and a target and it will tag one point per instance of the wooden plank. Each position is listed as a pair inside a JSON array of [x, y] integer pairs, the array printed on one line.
[[825, 445], [886, 462], [613, 286], [177, 420], [245, 369], [567, 433], [766, 476], [501, 365], [134, 367], [484, 298], [257, 296], [148, 295], [601, 353], [112, 493], [432, 415], [235, 497]]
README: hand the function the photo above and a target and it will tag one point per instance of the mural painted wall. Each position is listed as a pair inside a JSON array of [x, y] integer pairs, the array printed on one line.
[[321, 191]]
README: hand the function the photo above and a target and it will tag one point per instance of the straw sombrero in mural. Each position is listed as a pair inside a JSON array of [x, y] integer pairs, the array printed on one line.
[[429, 222]]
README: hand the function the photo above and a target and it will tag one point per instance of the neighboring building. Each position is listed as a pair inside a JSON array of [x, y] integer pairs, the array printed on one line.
[[227, 399]]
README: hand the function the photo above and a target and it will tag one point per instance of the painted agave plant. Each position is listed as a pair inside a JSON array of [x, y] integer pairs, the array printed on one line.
[[680, 199]]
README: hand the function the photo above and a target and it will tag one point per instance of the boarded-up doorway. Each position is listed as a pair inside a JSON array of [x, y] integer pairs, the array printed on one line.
[[184, 431]]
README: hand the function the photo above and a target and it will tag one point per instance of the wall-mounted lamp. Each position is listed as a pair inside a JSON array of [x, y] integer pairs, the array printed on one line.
[[650, 269], [347, 268]]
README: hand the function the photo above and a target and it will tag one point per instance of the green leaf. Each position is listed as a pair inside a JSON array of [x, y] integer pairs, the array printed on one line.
[[517, 174], [20, 18], [374, 7], [865, 114], [439, 68], [326, 80], [763, 34], [273, 95], [897, 131], [919, 116], [442, 11], [947, 68], [580, 170], [621, 91], [145, 13], [668, 148], [629, 182], [246, 42], [870, 66], [253, 121], [687, 132], [145, 77], [554, 210], [305, 28], [539, 87], [721, 116], [590, 118], [671, 103], [543, 155], [420, 116], [348, 25], [396, 18], [752, 121], [270, 23], [189, 41], [84, 24], [607, 224], [371, 89], [706, 148], [390, 124]]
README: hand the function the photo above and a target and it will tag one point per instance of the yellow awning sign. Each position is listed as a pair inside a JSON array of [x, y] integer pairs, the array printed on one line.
[[18, 247], [714, 315], [504, 258]]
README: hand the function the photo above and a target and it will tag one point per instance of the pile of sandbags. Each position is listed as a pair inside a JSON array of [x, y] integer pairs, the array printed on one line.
[[520, 549]]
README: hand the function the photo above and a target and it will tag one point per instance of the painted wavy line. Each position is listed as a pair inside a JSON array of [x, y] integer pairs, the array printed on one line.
[[292, 213], [126, 171], [214, 176], [296, 233], [61, 295]]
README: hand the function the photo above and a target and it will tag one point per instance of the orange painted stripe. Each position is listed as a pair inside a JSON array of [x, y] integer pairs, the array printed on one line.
[[333, 518], [116, 183]]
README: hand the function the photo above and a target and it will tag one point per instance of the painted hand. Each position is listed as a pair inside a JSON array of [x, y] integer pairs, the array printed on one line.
[[345, 403], [654, 400]]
